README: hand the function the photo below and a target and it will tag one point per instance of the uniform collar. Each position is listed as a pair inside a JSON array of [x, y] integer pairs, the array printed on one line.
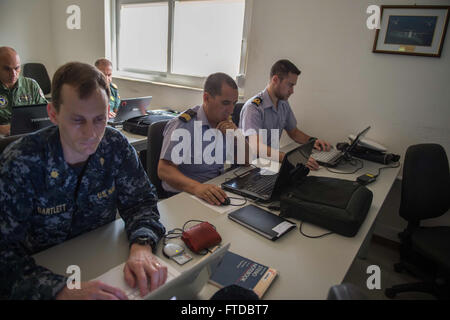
[[18, 84], [267, 101], [201, 116], [59, 169]]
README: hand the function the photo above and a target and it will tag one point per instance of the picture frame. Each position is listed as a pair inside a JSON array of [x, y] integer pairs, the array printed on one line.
[[412, 30]]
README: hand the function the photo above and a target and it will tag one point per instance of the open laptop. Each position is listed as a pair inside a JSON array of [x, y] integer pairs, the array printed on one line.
[[184, 286], [333, 157], [130, 108], [265, 187], [26, 119]]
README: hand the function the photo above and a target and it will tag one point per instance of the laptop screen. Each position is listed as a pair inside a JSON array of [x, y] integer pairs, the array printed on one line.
[[130, 108], [26, 119]]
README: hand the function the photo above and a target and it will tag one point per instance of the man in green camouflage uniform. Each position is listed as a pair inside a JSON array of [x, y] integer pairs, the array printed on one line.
[[15, 90], [105, 66], [65, 180]]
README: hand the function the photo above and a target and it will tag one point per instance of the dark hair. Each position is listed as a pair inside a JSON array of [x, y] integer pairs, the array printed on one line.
[[282, 68], [213, 84], [83, 77]]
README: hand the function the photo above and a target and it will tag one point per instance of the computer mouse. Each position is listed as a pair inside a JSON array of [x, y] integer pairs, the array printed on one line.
[[226, 202], [172, 249]]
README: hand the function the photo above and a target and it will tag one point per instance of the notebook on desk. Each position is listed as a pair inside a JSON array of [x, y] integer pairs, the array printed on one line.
[[257, 184], [265, 223], [130, 108], [181, 286]]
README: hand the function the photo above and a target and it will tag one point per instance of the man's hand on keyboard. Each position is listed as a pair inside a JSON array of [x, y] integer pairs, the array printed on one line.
[[312, 164], [322, 145], [143, 268], [92, 290]]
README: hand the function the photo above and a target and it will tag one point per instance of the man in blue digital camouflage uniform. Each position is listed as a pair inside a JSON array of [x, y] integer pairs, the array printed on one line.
[[105, 66], [219, 97], [270, 110], [15, 90], [62, 181]]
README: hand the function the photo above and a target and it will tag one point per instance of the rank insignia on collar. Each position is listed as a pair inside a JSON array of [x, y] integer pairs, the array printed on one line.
[[54, 174], [257, 101], [102, 161], [187, 115]]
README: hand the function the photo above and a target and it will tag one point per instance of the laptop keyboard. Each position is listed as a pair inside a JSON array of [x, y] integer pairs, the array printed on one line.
[[263, 184], [326, 156]]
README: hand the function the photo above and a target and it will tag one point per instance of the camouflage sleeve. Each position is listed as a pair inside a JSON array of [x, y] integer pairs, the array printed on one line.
[[137, 199], [20, 277]]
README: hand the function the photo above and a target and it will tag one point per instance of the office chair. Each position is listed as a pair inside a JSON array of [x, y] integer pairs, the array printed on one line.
[[38, 72], [237, 113], [425, 251], [154, 144], [345, 291], [4, 142]]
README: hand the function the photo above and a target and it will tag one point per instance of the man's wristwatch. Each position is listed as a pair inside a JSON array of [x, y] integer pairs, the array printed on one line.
[[311, 139], [143, 241]]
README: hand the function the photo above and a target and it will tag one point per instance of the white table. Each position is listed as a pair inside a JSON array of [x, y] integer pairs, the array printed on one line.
[[307, 267]]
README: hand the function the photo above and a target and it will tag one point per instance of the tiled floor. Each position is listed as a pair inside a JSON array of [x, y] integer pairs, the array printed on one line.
[[385, 257]]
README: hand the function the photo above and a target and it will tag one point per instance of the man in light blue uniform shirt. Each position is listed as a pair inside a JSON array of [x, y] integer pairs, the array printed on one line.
[[219, 97], [270, 110]]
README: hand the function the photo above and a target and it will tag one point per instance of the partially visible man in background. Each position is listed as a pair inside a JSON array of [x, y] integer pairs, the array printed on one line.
[[105, 66], [14, 89]]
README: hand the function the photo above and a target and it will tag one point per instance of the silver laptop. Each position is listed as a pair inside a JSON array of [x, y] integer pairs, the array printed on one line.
[[333, 157], [179, 286], [130, 108]]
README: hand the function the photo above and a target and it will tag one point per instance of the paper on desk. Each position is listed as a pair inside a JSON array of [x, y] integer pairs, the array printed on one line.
[[223, 209]]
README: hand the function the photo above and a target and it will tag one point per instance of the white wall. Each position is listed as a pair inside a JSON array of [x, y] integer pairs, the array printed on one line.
[[26, 26], [84, 45]]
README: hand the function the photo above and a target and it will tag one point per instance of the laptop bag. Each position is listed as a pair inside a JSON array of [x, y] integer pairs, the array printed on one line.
[[338, 205], [139, 125]]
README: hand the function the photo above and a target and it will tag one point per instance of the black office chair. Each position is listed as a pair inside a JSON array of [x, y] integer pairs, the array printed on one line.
[[38, 72], [154, 144], [425, 251], [4, 142], [237, 113]]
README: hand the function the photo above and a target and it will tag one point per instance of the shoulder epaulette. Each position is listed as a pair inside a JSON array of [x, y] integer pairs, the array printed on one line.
[[187, 115], [257, 101], [113, 85]]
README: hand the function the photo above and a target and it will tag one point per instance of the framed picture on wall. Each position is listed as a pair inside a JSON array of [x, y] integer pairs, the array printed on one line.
[[412, 30]]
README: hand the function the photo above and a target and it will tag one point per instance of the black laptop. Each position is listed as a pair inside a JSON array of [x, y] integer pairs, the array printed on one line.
[[255, 185], [131, 108], [26, 119]]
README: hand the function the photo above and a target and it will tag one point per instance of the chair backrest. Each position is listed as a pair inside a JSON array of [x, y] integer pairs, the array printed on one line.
[[425, 184], [38, 72], [154, 144], [237, 113], [4, 142]]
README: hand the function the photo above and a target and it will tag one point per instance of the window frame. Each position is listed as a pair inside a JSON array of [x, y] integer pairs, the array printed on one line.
[[112, 40]]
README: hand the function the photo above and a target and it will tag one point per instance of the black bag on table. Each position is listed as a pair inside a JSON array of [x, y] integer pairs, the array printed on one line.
[[338, 205], [139, 125]]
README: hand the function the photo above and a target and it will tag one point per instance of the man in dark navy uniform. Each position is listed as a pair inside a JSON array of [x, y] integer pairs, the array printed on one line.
[[62, 181]]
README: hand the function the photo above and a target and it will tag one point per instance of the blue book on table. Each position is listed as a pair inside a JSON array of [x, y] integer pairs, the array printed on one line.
[[241, 271]]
